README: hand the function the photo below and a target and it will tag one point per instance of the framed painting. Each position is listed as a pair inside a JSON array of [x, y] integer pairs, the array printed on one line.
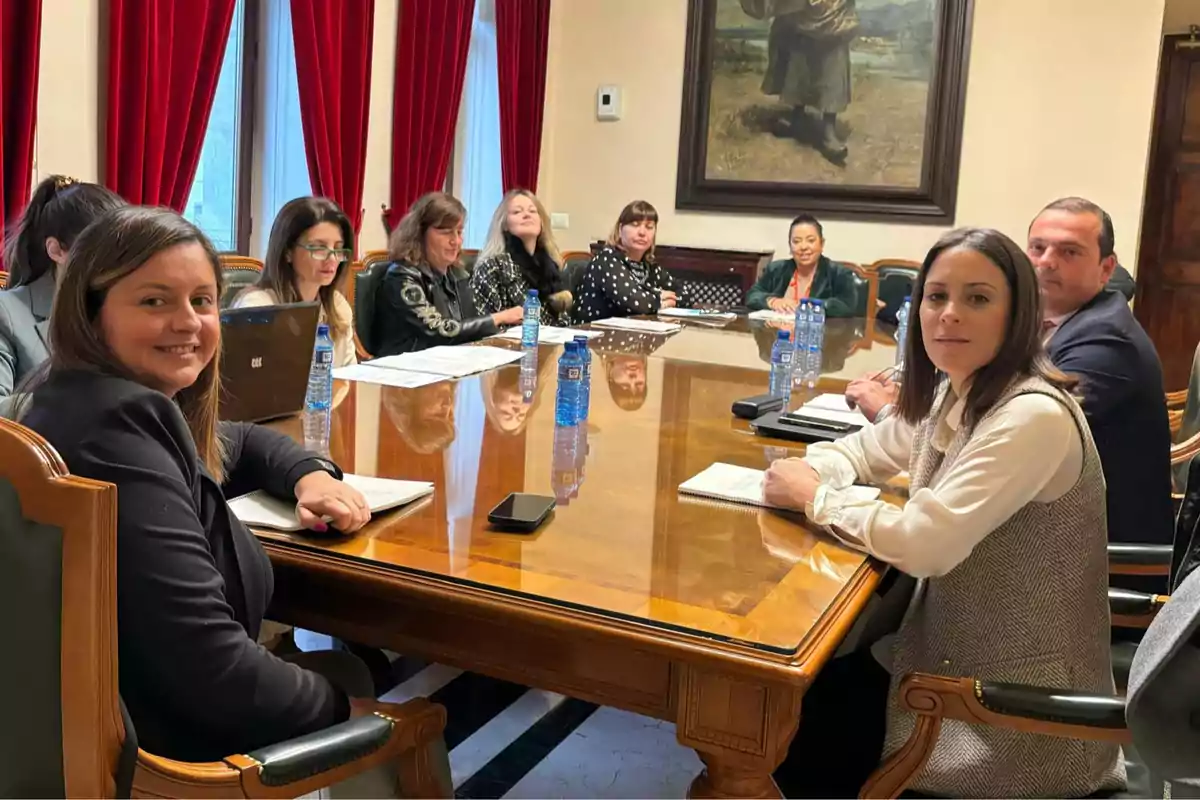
[[852, 108]]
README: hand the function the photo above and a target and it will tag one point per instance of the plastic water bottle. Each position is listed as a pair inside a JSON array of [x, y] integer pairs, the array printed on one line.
[[902, 332], [816, 324], [585, 395], [570, 383], [316, 424], [781, 366], [800, 329], [532, 320], [320, 376]]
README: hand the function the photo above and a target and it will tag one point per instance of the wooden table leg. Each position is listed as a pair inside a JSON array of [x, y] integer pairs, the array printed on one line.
[[740, 729]]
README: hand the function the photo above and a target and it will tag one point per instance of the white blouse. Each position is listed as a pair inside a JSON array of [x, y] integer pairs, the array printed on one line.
[[344, 353], [1029, 450]]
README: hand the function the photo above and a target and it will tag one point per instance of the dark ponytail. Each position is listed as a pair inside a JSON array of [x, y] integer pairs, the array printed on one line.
[[61, 208]]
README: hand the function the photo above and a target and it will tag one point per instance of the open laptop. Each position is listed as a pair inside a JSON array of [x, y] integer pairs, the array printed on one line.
[[268, 352]]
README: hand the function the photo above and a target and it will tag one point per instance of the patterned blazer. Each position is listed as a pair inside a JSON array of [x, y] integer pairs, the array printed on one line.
[[497, 284], [418, 307]]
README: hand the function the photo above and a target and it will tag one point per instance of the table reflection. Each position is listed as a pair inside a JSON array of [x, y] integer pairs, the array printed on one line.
[[622, 542]]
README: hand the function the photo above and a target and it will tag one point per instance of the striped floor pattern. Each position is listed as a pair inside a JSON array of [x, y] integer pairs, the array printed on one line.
[[510, 741]]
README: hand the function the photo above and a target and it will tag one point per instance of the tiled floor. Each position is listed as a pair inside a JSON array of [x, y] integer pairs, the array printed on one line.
[[510, 741]]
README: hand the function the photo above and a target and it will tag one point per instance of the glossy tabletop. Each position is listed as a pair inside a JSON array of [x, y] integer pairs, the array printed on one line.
[[622, 543]]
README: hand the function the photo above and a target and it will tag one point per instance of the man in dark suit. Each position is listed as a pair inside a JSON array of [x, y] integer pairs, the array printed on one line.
[[1090, 333]]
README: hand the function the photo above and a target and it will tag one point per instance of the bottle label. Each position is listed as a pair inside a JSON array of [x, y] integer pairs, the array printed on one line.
[[572, 374], [323, 356]]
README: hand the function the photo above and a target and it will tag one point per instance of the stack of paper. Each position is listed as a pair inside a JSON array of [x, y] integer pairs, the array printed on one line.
[[548, 334], [367, 373], [832, 408], [776, 316], [697, 313], [639, 325], [745, 485], [260, 510], [450, 362]]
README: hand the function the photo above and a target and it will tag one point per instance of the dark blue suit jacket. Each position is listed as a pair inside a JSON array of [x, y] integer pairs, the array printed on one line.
[[1122, 385]]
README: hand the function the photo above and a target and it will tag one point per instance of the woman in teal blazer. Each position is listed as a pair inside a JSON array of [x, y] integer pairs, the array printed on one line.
[[808, 273]]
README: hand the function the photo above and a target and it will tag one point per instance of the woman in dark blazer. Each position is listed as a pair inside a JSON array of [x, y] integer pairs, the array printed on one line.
[[807, 273], [425, 298], [130, 397]]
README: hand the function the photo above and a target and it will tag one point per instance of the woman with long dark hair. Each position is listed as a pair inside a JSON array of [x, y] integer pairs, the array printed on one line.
[[1004, 531], [34, 249], [308, 255]]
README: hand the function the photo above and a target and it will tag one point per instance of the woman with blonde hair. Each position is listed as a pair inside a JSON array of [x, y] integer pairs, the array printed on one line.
[[130, 397], [425, 298], [308, 256], [624, 278], [520, 254]]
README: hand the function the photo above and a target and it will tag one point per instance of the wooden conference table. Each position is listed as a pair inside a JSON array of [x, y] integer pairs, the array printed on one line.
[[715, 617]]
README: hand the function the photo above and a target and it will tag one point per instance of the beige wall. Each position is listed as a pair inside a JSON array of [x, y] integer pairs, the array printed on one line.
[[1060, 96], [1059, 101]]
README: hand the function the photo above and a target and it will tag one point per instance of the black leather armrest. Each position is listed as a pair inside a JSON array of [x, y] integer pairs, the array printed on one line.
[[1124, 602], [1140, 554], [305, 756], [1053, 705]]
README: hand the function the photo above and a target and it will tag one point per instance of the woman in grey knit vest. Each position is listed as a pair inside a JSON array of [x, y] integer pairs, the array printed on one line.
[[1004, 532]]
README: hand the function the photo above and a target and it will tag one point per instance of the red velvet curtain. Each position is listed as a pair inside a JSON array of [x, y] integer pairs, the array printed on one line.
[[164, 60], [432, 40], [522, 33], [333, 67], [20, 35]]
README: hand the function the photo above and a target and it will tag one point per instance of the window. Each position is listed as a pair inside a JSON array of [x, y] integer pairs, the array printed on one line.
[[477, 139], [284, 161], [220, 191]]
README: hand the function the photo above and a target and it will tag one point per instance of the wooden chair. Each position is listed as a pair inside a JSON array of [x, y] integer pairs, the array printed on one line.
[[1031, 709], [63, 723], [574, 263], [240, 272], [3, 279], [467, 259], [367, 275]]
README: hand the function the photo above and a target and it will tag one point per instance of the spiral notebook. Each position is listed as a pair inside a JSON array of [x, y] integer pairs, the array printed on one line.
[[733, 484], [261, 510]]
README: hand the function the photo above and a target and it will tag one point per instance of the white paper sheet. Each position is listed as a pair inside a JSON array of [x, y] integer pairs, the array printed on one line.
[[548, 334], [768, 314], [640, 325], [697, 313], [832, 408], [366, 373], [258, 509], [745, 485], [450, 362]]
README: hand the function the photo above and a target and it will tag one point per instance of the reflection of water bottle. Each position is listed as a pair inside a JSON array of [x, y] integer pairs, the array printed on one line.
[[581, 454], [570, 383], [529, 375], [902, 332], [800, 329], [316, 424], [563, 463], [781, 367], [585, 394], [320, 375], [532, 319]]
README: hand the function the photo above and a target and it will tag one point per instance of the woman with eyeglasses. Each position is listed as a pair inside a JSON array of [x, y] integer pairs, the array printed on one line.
[[307, 256]]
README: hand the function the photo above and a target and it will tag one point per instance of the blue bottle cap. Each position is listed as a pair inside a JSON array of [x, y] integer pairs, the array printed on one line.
[[531, 293], [908, 298], [783, 336], [322, 329]]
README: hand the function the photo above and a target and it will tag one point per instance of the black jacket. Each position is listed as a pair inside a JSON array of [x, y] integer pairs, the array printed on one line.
[[1122, 385], [417, 307], [616, 286], [192, 582]]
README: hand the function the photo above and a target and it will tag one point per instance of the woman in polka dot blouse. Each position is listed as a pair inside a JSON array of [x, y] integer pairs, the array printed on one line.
[[623, 279]]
